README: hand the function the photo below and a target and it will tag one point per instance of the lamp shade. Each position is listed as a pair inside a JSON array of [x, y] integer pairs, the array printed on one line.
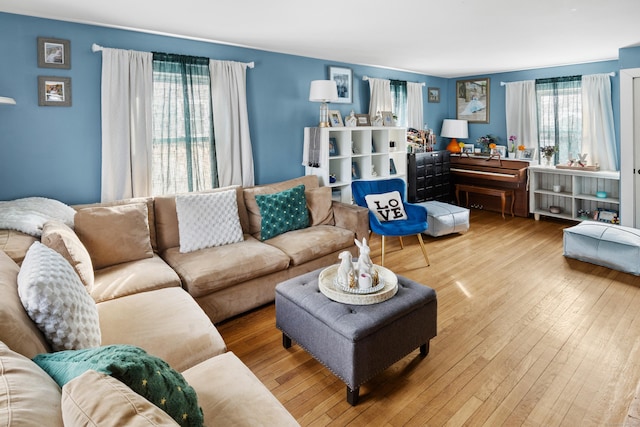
[[5, 100], [455, 128], [323, 91]]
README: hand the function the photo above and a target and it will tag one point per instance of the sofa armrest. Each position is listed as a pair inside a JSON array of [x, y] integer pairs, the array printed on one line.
[[352, 217]]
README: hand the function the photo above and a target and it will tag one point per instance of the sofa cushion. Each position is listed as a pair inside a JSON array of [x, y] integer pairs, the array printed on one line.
[[17, 331], [114, 234], [149, 321], [62, 239], [149, 201], [386, 206], [132, 277], [319, 203], [167, 217], [147, 375], [56, 300], [28, 396], [206, 220], [235, 263], [81, 407], [313, 242], [283, 211], [234, 396], [15, 243], [253, 210]]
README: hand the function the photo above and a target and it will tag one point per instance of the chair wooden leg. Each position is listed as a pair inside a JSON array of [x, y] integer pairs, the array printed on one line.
[[382, 261], [401, 242], [424, 250]]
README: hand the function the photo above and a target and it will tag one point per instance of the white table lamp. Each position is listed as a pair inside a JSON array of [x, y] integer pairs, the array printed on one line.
[[323, 91], [5, 100], [453, 129]]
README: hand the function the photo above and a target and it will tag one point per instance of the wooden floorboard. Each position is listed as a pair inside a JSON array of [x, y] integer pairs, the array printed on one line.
[[525, 337]]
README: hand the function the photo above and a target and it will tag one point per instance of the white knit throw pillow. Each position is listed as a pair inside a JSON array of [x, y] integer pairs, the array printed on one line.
[[208, 219], [57, 301]]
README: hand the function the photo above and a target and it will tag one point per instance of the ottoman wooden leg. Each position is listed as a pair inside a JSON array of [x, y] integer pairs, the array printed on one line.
[[424, 349], [353, 395], [286, 341]]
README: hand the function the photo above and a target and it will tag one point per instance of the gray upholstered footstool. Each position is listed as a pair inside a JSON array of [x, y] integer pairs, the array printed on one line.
[[613, 246], [444, 218], [355, 342]]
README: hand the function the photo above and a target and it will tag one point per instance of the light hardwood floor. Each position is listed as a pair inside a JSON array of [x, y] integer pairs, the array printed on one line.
[[525, 337]]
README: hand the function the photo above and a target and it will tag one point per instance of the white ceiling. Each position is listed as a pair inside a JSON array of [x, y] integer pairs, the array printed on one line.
[[446, 38]]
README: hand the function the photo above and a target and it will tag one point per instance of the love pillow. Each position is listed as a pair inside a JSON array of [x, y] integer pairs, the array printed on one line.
[[386, 206]]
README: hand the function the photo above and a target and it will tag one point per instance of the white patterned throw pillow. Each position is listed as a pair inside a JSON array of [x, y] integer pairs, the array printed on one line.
[[57, 301], [386, 206], [206, 220]]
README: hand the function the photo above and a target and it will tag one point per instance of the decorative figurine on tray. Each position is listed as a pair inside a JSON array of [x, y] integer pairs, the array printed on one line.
[[346, 274]]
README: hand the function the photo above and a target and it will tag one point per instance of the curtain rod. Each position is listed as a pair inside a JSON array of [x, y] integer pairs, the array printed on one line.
[[613, 73], [365, 78], [97, 48]]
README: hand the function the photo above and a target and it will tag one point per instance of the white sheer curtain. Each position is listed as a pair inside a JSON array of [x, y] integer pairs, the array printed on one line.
[[598, 131], [380, 96], [231, 123], [127, 97], [522, 113], [415, 118]]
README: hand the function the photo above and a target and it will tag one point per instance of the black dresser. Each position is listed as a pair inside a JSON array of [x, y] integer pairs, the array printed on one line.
[[428, 176]]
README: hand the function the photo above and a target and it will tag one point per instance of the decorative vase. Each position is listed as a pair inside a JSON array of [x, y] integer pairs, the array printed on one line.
[[548, 160]]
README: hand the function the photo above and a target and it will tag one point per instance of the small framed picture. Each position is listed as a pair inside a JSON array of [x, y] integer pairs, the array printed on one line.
[[333, 147], [335, 118], [363, 120], [54, 53], [500, 150], [387, 119], [434, 94], [344, 81], [392, 167], [528, 153], [355, 170], [468, 149], [54, 91]]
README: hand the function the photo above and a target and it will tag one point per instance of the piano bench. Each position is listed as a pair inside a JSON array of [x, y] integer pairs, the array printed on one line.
[[488, 191]]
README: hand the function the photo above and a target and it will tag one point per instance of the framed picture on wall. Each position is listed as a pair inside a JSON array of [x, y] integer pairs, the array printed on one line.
[[54, 53], [344, 81], [472, 100], [54, 91], [433, 94]]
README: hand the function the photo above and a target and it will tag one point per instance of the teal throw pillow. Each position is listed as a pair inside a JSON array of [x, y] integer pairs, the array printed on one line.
[[147, 375], [282, 212]]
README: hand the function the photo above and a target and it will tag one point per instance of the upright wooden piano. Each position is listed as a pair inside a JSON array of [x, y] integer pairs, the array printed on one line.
[[508, 174]]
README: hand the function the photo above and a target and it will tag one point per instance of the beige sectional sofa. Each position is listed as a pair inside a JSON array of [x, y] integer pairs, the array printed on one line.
[[139, 288]]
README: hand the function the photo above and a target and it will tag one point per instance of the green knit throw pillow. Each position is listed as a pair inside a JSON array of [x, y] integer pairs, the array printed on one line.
[[282, 212], [149, 376]]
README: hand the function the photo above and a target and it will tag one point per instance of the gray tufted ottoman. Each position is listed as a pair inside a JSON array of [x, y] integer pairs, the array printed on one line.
[[355, 342]]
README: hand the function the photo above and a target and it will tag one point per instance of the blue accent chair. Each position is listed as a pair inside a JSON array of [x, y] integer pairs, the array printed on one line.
[[417, 215]]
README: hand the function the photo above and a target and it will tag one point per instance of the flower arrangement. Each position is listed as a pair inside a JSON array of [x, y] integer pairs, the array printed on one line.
[[512, 143], [548, 150], [486, 141], [521, 147]]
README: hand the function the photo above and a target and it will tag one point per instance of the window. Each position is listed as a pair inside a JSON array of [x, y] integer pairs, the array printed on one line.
[[399, 100], [183, 148], [559, 103]]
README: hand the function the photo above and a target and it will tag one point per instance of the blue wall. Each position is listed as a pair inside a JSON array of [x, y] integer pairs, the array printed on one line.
[[497, 125], [56, 151]]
